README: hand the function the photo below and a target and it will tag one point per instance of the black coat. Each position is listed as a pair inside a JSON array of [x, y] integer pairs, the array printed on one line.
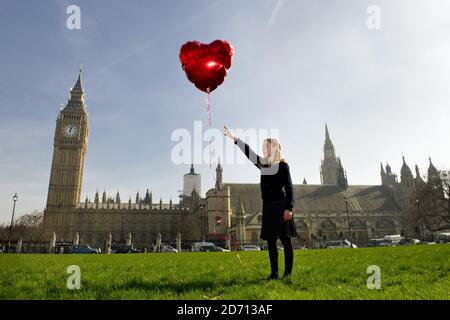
[[273, 224], [276, 192]]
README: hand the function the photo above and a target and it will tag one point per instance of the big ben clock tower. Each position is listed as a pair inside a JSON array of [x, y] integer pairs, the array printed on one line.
[[69, 150]]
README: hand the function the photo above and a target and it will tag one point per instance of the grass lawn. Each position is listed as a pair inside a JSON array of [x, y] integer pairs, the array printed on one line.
[[413, 272]]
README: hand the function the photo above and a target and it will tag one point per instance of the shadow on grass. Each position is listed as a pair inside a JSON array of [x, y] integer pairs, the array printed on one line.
[[182, 286]]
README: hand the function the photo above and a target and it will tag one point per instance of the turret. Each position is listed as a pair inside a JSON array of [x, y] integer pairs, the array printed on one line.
[[433, 173], [219, 172], [118, 199], [96, 199], [418, 179], [406, 176]]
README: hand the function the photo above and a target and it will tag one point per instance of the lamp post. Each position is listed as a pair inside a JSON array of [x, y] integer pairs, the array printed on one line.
[[15, 198], [348, 218]]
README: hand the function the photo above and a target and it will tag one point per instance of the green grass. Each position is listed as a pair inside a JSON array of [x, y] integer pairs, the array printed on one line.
[[415, 272]]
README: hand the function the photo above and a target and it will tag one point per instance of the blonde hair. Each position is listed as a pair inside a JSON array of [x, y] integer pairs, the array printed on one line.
[[276, 151]]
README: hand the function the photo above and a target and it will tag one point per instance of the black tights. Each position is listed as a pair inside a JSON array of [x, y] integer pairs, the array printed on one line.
[[288, 255]]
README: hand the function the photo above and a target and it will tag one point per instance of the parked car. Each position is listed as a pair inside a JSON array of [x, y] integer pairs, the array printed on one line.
[[124, 249], [374, 242], [168, 249], [395, 238], [266, 247], [83, 249], [388, 243], [212, 249], [408, 242], [442, 237], [337, 244], [197, 245], [250, 247]]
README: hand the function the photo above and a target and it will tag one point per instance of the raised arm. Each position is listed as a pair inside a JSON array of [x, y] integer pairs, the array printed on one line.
[[249, 153]]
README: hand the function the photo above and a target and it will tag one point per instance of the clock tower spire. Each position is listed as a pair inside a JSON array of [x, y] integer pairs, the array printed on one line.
[[69, 151]]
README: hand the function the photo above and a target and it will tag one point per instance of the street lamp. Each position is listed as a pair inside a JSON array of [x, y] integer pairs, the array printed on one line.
[[348, 218], [15, 198]]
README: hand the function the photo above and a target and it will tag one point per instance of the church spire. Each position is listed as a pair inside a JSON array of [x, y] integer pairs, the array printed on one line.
[[79, 84], [329, 168], [76, 99], [327, 135], [328, 148]]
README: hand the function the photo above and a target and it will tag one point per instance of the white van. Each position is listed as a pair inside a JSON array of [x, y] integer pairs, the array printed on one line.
[[198, 245], [336, 244], [393, 238]]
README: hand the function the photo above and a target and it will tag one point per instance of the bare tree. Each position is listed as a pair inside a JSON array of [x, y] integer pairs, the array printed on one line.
[[30, 227], [4, 229], [434, 202]]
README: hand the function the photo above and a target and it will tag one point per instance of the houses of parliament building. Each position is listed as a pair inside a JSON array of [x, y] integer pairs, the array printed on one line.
[[229, 211]]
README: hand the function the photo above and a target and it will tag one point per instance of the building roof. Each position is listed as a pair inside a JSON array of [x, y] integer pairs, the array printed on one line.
[[320, 198], [75, 104]]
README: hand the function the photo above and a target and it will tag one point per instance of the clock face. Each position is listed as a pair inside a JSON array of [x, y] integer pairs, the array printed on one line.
[[70, 131]]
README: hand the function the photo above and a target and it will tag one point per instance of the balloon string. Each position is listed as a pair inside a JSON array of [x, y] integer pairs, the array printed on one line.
[[209, 108]]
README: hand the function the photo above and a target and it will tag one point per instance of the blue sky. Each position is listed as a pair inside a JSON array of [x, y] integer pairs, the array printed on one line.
[[297, 64]]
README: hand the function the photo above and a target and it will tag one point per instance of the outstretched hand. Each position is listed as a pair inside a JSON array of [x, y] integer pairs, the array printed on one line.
[[229, 133]]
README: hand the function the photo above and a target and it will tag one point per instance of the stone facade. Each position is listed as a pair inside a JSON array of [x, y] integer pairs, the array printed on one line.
[[232, 212]]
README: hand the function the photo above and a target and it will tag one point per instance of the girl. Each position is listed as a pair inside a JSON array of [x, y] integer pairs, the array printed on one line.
[[278, 200]]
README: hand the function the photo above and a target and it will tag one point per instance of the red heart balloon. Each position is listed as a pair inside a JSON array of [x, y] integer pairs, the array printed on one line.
[[206, 65]]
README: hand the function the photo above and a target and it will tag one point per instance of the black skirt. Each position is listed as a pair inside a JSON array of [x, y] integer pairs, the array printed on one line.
[[273, 225]]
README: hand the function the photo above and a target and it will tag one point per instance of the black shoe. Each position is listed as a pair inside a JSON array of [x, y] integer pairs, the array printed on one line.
[[273, 276]]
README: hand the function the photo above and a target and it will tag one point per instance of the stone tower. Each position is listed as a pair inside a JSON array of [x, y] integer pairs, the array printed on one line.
[[407, 186], [69, 151], [388, 178], [218, 207], [191, 181], [331, 170]]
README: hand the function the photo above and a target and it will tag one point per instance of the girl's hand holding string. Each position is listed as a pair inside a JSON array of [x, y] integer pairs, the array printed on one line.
[[229, 133]]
